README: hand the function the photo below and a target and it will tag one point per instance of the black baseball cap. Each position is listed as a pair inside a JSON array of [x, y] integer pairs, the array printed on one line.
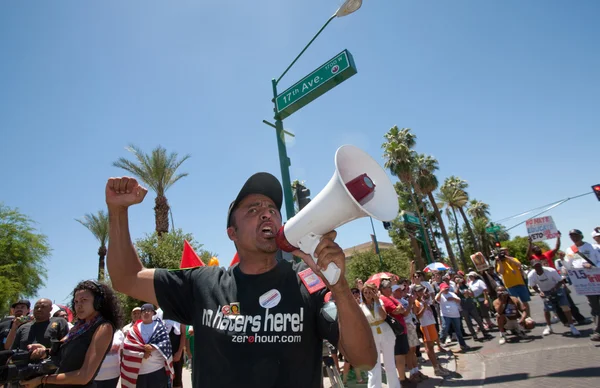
[[576, 231], [259, 183], [22, 301]]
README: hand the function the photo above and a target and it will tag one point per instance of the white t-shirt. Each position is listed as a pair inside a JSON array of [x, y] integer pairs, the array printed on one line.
[[427, 317], [477, 287], [546, 281], [110, 368], [449, 308], [573, 260], [169, 324], [428, 286]]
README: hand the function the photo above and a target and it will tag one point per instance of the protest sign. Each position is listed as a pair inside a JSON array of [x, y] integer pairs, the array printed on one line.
[[541, 228], [586, 281], [480, 262]]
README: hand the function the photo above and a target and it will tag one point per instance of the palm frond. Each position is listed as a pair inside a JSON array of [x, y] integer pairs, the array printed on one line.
[[97, 224]]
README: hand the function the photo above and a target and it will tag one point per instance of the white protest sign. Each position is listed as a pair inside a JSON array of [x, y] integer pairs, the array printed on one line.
[[586, 281], [480, 262], [541, 228]]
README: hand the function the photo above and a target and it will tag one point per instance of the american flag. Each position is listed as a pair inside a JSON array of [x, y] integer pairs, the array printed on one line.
[[133, 352]]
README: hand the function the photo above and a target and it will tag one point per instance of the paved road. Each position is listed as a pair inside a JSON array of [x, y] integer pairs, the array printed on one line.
[[554, 361], [557, 360]]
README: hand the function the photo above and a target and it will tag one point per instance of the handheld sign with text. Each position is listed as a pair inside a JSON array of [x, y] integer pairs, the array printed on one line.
[[585, 281], [541, 228]]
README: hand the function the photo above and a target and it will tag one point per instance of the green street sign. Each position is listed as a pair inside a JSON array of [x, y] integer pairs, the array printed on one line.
[[492, 229], [329, 75], [411, 219]]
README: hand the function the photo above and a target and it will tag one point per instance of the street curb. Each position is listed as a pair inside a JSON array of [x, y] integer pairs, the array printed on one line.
[[469, 371]]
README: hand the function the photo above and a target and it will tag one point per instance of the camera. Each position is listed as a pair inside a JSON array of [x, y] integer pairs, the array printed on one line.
[[16, 365]]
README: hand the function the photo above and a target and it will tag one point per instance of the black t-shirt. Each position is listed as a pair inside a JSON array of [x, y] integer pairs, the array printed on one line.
[[40, 333], [262, 330], [5, 326]]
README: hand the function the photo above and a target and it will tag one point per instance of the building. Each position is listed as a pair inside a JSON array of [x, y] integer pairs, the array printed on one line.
[[368, 246]]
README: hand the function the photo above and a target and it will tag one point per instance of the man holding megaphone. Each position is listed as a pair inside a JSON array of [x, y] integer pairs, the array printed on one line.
[[260, 323]]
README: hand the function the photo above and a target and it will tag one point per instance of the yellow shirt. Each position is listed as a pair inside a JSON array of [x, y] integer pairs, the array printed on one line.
[[511, 275]]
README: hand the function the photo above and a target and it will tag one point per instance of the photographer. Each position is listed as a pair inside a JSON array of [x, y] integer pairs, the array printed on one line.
[[84, 348], [43, 330], [511, 314], [8, 328], [510, 270]]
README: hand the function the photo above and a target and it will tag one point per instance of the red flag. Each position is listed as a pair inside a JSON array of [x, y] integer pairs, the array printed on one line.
[[236, 259], [189, 258]]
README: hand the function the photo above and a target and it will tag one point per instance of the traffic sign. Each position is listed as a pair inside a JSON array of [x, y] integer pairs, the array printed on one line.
[[492, 229], [326, 77], [411, 218]]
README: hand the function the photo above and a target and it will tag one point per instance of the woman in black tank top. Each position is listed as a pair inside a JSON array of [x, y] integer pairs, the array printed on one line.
[[83, 349]]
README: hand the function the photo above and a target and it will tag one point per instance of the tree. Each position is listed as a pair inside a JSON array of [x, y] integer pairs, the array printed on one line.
[[23, 252], [461, 186], [400, 160], [400, 231], [162, 252], [98, 225], [158, 171], [517, 248], [427, 183], [479, 209], [364, 264], [451, 197], [165, 251]]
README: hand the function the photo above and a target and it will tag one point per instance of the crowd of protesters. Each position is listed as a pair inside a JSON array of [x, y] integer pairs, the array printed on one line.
[[433, 306], [91, 347]]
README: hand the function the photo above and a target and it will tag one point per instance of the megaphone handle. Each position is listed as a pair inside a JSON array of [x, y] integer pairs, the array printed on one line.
[[308, 244]]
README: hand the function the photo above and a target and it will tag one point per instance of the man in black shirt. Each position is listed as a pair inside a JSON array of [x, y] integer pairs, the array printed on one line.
[[20, 310], [259, 323], [43, 330]]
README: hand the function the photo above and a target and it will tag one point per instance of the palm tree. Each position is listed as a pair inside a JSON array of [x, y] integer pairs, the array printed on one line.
[[462, 185], [478, 209], [480, 225], [400, 160], [158, 171], [428, 183], [98, 225], [451, 198]]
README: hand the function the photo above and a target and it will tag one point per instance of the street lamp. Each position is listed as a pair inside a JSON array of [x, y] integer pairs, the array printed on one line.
[[345, 9]]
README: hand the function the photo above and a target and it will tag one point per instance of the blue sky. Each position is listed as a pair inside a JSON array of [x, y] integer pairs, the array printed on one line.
[[503, 93]]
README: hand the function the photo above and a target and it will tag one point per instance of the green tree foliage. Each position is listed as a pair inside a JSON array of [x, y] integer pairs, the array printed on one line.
[[158, 170], [23, 252], [97, 223], [364, 264], [163, 252], [517, 248]]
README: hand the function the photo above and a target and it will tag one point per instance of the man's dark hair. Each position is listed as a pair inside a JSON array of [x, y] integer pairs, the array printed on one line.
[[110, 308]]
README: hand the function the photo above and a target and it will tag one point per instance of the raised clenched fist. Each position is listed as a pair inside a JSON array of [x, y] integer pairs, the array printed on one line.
[[124, 192]]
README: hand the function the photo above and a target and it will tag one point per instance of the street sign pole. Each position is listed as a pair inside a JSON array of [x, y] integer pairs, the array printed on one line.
[[284, 160]]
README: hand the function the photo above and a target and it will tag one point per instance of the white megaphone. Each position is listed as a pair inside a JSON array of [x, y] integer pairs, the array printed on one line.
[[359, 188]]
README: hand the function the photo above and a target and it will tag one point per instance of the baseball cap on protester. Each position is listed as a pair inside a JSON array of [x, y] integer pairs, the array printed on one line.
[[576, 231], [22, 301], [595, 233], [443, 286], [148, 307], [259, 183], [535, 262]]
